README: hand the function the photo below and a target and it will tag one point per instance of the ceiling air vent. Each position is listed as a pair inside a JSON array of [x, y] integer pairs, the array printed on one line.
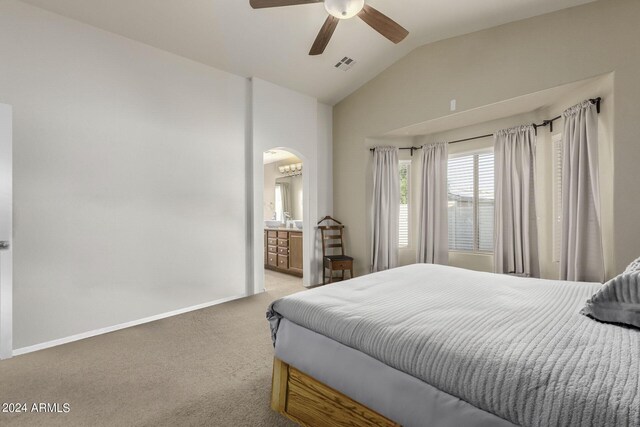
[[345, 64]]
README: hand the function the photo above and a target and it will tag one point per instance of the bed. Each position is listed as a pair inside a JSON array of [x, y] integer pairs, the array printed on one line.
[[441, 346]]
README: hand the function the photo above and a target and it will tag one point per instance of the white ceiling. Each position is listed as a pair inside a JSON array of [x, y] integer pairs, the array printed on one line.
[[273, 44]]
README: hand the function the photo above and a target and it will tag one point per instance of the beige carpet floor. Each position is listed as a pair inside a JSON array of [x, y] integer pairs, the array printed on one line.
[[210, 367]]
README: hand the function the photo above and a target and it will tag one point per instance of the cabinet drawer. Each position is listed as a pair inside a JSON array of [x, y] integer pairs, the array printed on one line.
[[283, 234], [283, 251], [272, 260], [271, 233], [273, 249], [283, 243], [272, 241], [283, 262], [342, 265]]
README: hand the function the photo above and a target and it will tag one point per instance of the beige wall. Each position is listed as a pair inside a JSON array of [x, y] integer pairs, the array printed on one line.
[[491, 66], [555, 102]]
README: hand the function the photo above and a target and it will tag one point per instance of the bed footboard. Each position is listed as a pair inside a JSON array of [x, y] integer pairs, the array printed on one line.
[[308, 402]]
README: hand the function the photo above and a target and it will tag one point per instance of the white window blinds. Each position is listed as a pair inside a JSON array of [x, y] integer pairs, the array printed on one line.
[[557, 197], [471, 202], [485, 200], [405, 181], [460, 206]]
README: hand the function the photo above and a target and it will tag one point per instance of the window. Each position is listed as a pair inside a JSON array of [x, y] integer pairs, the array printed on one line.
[[279, 212], [471, 202], [557, 196], [405, 179]]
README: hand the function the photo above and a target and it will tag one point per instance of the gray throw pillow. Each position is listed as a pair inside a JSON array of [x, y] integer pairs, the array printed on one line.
[[634, 266], [617, 301]]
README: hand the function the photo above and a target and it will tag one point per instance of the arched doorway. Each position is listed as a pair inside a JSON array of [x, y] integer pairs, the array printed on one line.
[[284, 217]]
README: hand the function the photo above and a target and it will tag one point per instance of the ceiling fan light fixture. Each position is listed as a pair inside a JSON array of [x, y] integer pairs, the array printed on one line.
[[343, 9]]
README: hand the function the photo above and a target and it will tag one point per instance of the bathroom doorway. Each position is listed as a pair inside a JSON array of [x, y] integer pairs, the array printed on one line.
[[284, 216]]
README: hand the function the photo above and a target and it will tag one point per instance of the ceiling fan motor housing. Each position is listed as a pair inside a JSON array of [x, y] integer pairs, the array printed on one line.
[[343, 9]]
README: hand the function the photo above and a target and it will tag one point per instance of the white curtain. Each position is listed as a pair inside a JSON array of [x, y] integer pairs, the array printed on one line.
[[433, 237], [385, 209], [285, 200], [582, 256], [285, 189], [516, 234]]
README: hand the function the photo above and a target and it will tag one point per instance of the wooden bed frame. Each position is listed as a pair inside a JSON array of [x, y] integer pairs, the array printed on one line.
[[308, 402]]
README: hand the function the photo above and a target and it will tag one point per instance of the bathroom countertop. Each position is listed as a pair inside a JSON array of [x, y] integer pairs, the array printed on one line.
[[299, 230]]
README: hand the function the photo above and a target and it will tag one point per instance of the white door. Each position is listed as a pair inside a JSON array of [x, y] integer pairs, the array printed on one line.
[[6, 222]]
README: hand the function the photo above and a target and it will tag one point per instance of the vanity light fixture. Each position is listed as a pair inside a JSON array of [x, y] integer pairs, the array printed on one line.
[[294, 169]]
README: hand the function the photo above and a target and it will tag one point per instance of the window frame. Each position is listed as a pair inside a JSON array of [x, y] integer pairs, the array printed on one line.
[[476, 191]]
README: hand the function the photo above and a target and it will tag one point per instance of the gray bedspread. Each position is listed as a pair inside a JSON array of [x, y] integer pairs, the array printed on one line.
[[515, 347]]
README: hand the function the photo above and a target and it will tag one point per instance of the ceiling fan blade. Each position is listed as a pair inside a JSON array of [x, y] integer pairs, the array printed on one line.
[[383, 24], [260, 4], [322, 40]]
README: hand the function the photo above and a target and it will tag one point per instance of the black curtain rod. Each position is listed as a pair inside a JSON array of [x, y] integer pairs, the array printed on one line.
[[544, 123]]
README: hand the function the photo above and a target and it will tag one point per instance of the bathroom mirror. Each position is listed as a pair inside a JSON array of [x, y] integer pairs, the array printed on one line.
[[288, 198]]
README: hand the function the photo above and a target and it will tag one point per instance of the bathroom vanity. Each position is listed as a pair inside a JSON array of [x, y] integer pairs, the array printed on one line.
[[283, 250]]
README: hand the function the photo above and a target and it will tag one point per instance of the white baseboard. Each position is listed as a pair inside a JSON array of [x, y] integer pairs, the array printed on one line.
[[89, 334]]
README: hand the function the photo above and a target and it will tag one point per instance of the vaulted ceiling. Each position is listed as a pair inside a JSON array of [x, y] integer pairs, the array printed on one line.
[[273, 44]]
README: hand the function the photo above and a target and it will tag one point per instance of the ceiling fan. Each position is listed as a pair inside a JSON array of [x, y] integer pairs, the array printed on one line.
[[342, 9]]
